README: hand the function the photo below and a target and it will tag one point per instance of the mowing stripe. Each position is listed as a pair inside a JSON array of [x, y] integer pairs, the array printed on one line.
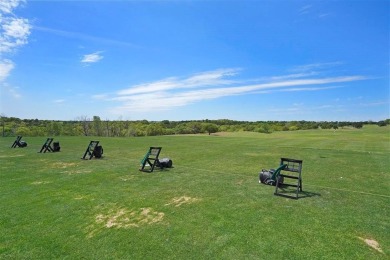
[[323, 187]]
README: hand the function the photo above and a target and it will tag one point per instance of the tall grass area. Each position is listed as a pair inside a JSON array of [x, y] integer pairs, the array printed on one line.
[[209, 206]]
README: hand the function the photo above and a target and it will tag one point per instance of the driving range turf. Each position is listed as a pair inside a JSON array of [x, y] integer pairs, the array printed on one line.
[[208, 206]]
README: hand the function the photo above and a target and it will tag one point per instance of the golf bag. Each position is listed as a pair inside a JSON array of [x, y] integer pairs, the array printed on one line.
[[56, 146], [165, 163], [22, 144], [265, 176], [98, 152]]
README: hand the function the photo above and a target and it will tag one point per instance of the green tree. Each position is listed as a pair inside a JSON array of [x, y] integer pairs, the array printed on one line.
[[154, 129], [2, 124], [97, 126], [85, 124], [23, 130], [54, 128], [210, 128]]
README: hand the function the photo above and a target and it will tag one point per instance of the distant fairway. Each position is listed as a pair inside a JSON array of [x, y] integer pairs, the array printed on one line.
[[209, 206]]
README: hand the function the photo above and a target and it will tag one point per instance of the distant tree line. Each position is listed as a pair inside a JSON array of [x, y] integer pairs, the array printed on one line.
[[83, 125]]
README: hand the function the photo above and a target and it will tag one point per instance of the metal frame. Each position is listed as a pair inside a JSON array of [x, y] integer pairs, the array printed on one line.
[[47, 146], [17, 142], [90, 150], [294, 168], [151, 159]]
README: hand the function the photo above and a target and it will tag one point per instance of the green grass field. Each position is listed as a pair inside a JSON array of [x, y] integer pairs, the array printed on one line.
[[209, 206]]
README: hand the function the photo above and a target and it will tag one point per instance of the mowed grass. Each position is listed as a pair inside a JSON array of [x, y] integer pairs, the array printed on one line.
[[209, 206]]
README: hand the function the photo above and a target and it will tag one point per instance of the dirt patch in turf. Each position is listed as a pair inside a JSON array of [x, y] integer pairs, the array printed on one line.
[[76, 172], [69, 168], [127, 178], [63, 165], [126, 218], [178, 201], [240, 182], [372, 243]]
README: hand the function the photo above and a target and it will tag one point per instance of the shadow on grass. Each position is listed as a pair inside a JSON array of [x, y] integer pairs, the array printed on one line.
[[292, 194]]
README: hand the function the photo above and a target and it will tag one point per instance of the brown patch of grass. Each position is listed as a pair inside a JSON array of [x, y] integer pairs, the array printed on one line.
[[125, 218], [69, 168], [240, 182], [178, 201], [63, 165], [77, 172], [127, 178], [372, 243]]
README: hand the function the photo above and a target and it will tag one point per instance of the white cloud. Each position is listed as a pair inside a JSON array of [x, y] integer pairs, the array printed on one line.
[[5, 69], [14, 33], [175, 92], [6, 6], [208, 78], [92, 58], [18, 29]]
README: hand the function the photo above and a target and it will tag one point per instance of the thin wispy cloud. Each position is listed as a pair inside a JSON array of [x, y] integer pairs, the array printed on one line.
[[315, 67], [371, 104], [6, 66], [9, 91], [308, 89], [312, 11], [177, 92], [293, 76], [323, 15], [304, 9], [209, 78], [85, 37], [92, 58], [100, 96], [333, 108]]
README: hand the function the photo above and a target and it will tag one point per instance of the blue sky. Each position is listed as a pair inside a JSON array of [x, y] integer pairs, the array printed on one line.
[[186, 60]]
